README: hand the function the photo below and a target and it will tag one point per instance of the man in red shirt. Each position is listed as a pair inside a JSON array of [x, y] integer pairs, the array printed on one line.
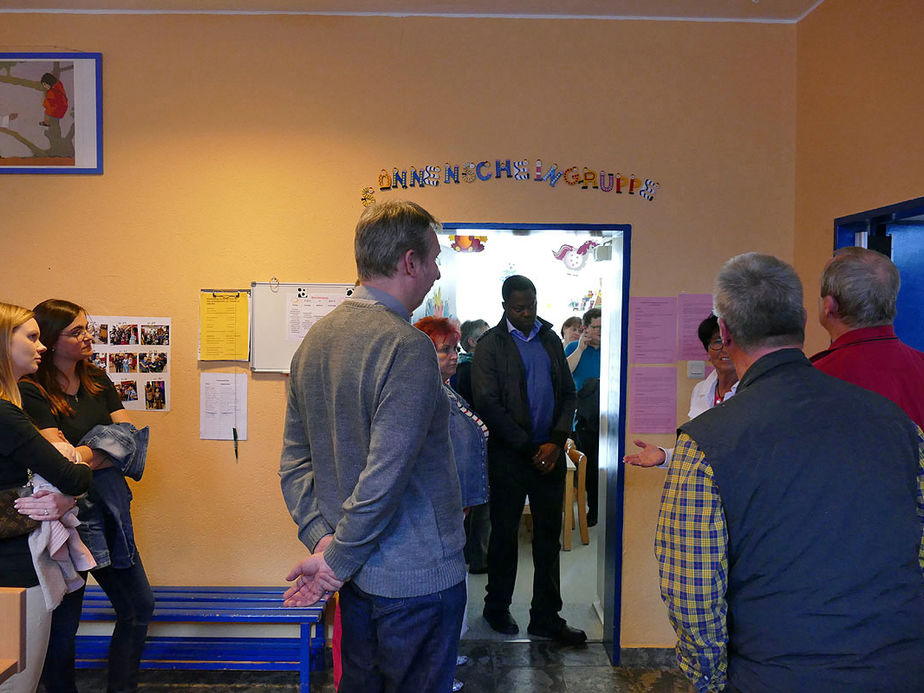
[[858, 292]]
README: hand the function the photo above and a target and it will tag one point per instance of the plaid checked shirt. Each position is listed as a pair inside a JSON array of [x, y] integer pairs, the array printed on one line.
[[691, 546]]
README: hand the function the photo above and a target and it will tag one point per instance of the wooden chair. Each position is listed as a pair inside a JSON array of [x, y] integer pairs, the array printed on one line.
[[577, 464]]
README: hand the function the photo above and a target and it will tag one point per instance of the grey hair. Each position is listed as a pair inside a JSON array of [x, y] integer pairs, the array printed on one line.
[[386, 231], [470, 328], [865, 285], [759, 297]]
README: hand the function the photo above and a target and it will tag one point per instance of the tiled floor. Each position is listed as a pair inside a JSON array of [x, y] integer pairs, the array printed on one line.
[[495, 667], [578, 590], [499, 663]]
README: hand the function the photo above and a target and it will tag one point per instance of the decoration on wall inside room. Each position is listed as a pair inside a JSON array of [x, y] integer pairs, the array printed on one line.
[[467, 244], [592, 299], [51, 113], [574, 260], [438, 306], [580, 177], [135, 353]]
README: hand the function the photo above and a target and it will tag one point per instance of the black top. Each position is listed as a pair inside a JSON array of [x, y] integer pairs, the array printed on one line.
[[89, 410], [23, 448], [499, 388]]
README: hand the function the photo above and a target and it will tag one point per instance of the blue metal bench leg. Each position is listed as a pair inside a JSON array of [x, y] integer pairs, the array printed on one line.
[[304, 664]]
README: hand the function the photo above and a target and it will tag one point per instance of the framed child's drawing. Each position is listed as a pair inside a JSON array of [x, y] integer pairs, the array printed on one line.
[[51, 113]]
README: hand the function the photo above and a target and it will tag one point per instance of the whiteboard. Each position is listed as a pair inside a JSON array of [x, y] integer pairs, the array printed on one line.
[[281, 314]]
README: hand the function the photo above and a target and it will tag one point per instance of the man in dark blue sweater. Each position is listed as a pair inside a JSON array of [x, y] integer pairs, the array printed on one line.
[[525, 394], [790, 532]]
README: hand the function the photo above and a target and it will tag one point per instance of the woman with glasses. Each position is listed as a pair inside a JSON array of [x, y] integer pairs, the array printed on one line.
[[715, 389], [24, 451], [467, 433], [66, 398]]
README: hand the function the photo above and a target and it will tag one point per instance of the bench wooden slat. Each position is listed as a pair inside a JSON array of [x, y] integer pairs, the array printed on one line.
[[280, 654], [268, 594]]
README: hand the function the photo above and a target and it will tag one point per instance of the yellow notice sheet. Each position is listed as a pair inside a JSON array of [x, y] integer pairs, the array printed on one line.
[[224, 325]]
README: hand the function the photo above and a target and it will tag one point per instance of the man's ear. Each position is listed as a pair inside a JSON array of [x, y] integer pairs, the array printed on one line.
[[724, 334], [409, 263], [829, 307]]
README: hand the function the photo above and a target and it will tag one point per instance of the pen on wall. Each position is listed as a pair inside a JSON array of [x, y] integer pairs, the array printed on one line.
[[234, 434]]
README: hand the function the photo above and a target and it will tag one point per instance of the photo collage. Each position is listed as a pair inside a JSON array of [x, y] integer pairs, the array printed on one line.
[[135, 353]]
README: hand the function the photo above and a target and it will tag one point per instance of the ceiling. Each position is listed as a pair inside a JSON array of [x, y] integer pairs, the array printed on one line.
[[696, 10]]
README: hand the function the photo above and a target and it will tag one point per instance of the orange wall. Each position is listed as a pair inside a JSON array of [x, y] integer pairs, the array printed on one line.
[[236, 148], [859, 144]]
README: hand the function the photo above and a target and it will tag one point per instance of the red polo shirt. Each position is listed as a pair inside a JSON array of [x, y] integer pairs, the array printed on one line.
[[874, 358]]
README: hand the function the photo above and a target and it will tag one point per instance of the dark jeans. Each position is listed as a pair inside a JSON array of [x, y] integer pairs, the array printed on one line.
[[130, 593], [477, 532], [588, 442], [403, 645], [512, 479]]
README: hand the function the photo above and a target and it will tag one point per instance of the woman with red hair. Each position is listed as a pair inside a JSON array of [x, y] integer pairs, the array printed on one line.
[[467, 433]]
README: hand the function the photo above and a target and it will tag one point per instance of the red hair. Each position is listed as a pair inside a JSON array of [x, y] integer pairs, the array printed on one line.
[[440, 330]]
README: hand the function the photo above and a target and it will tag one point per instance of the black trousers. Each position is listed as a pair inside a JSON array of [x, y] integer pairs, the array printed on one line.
[[131, 597], [588, 442], [513, 479], [477, 532]]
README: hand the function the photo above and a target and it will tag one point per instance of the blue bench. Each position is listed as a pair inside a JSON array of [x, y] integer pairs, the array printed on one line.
[[241, 605]]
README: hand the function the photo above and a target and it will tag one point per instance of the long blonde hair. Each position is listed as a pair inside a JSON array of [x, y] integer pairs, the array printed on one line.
[[11, 317]]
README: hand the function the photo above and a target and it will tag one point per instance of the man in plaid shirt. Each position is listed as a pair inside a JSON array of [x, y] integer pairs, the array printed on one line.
[[791, 532]]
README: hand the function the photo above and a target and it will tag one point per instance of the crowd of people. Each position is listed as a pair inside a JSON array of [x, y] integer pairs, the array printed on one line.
[[790, 537], [155, 335], [778, 566], [152, 362], [123, 334]]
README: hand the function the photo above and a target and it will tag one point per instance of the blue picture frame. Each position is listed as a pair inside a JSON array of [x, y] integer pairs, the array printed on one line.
[[51, 113]]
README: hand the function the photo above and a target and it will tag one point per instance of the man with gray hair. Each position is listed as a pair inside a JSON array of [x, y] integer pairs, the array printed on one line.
[[859, 288], [367, 468], [790, 538]]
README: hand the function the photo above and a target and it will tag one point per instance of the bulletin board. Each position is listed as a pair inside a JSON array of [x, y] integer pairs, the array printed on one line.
[[280, 315]]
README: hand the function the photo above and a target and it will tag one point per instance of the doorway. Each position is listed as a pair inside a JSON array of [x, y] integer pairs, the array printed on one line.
[[896, 231], [575, 267]]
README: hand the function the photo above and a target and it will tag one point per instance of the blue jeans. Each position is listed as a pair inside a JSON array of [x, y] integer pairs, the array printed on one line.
[[404, 645], [131, 596]]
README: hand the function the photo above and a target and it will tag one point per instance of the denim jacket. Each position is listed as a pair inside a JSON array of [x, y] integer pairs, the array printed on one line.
[[125, 444], [469, 447], [105, 513]]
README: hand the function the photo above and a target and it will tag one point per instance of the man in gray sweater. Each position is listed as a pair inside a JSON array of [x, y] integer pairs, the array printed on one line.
[[367, 468]]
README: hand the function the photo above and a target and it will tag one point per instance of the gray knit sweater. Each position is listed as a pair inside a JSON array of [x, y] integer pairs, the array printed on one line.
[[366, 452]]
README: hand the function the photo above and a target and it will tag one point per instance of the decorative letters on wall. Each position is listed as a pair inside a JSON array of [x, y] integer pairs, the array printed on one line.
[[581, 177]]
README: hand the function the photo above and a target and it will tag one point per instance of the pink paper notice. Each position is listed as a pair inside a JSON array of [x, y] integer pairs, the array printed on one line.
[[692, 309], [653, 400], [652, 329]]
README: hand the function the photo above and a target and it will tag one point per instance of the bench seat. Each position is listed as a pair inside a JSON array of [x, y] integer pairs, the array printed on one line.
[[240, 605]]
